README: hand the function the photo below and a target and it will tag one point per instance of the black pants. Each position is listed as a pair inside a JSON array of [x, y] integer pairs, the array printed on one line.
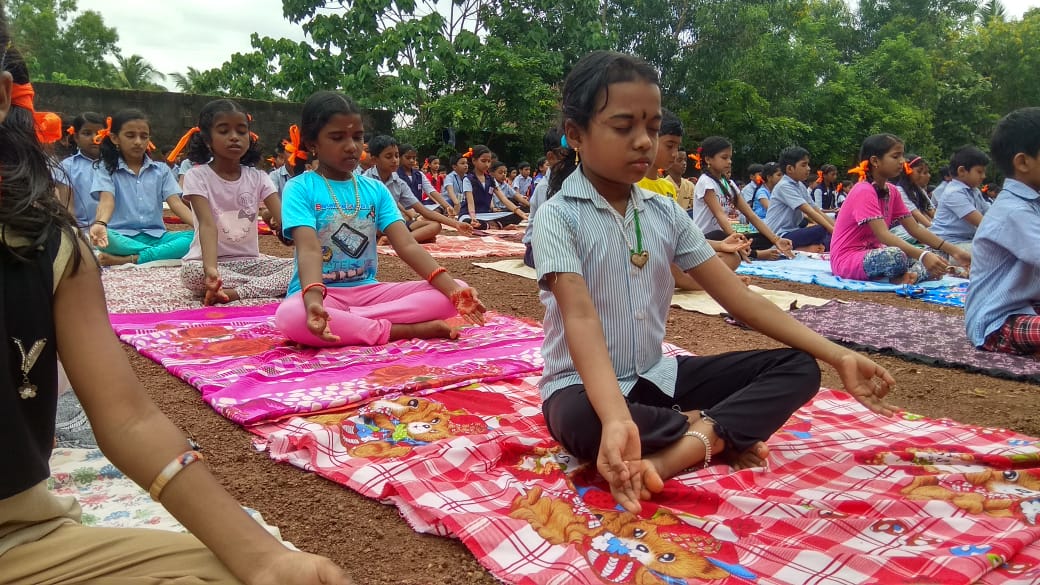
[[529, 255], [749, 394]]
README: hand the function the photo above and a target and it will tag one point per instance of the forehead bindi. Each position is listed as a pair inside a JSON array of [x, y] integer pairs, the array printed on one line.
[[347, 123], [134, 127], [632, 100]]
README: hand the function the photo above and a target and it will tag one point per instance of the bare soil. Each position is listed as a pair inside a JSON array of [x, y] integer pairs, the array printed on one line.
[[375, 544]]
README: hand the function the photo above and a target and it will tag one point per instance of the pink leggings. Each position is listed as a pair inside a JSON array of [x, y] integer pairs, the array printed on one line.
[[362, 315]]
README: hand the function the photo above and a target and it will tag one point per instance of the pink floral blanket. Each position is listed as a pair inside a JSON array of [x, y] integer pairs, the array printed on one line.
[[248, 373], [848, 498]]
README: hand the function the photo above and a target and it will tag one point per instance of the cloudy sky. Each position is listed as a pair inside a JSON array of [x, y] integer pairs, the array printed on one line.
[[173, 35]]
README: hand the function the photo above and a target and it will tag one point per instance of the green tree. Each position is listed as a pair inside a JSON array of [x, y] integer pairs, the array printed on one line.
[[136, 73], [992, 11], [60, 43], [188, 81]]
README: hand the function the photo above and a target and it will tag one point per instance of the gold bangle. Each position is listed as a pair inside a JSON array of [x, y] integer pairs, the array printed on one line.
[[171, 470]]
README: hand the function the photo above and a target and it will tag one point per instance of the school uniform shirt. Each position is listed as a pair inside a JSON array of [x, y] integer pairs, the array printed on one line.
[[185, 166], [417, 183], [399, 190], [684, 195], [483, 192], [957, 202], [139, 198], [348, 240], [1005, 262], [522, 184], [783, 215], [761, 194], [661, 186], [577, 232], [235, 206], [853, 238], [79, 176], [939, 190], [702, 215], [748, 192], [538, 196], [460, 183], [279, 177], [823, 197], [508, 191]]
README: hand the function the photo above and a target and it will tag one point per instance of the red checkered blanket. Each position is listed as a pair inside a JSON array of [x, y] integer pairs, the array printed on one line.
[[463, 247], [849, 498]]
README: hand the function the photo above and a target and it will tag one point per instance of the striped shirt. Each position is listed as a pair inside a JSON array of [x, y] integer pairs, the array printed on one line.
[[1005, 263], [577, 232]]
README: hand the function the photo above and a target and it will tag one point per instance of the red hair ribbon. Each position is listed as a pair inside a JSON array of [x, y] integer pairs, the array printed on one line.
[[292, 146], [861, 170], [105, 132], [696, 158], [48, 127], [71, 130], [22, 96], [183, 142], [468, 153]]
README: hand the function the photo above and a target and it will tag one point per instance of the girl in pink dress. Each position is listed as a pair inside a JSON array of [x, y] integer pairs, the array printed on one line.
[[862, 247]]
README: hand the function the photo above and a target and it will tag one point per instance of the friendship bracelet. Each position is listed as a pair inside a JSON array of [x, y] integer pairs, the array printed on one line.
[[436, 272], [99, 222], [171, 470], [324, 289], [707, 445], [941, 244]]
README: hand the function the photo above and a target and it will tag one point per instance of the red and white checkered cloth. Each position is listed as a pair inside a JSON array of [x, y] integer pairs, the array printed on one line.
[[849, 497]]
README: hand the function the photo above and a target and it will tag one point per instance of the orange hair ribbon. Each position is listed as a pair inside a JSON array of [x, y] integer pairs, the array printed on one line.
[[254, 136], [270, 160], [861, 170], [292, 146], [696, 158], [468, 153], [105, 132], [71, 130], [985, 188], [22, 96], [758, 179], [840, 188], [364, 152], [182, 143], [48, 127], [819, 177]]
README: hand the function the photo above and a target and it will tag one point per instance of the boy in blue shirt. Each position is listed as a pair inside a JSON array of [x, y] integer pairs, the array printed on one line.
[[1002, 311], [962, 205], [789, 202]]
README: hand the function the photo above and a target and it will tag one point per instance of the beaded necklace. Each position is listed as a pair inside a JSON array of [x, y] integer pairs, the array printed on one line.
[[357, 197]]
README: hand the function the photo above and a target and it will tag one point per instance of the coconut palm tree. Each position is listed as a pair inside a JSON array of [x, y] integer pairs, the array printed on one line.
[[187, 82], [136, 73], [992, 10]]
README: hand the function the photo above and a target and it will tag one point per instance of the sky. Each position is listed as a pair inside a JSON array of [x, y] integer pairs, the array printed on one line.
[[173, 35]]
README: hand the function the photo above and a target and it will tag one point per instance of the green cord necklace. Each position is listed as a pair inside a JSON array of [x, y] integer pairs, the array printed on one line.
[[638, 255]]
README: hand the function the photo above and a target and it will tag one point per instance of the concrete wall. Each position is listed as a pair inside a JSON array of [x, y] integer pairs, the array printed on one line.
[[171, 114]]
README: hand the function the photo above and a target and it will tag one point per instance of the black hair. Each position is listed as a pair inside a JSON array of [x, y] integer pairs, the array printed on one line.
[[454, 159], [917, 194], [479, 151], [586, 91], [710, 147], [109, 153], [791, 156], [1016, 132], [945, 173], [377, 145], [551, 140], [495, 165], [769, 169], [754, 169], [28, 206], [542, 161], [280, 147], [968, 157], [406, 148], [87, 118], [671, 125], [321, 107], [828, 168], [877, 145], [523, 164], [199, 151]]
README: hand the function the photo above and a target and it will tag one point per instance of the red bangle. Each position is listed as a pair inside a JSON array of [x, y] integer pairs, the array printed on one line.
[[324, 289], [436, 272]]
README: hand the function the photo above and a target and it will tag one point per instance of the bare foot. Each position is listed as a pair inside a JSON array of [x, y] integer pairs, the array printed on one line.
[[814, 248], [230, 295], [907, 278], [745, 279], [428, 330], [110, 260], [652, 482], [756, 456], [770, 254]]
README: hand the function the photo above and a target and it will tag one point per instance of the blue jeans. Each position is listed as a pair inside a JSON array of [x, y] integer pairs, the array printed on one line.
[[169, 246]]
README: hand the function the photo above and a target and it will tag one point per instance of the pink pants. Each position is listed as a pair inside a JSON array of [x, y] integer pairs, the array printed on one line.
[[362, 315]]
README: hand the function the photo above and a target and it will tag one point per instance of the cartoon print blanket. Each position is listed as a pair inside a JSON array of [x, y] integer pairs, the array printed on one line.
[[849, 498], [464, 247], [247, 372]]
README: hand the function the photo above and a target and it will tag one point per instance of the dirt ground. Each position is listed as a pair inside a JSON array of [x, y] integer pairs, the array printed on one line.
[[375, 544]]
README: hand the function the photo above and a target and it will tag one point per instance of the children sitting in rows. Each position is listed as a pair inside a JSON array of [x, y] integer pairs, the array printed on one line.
[[523, 180], [683, 187], [962, 206], [790, 205], [456, 183], [1002, 311], [130, 188], [225, 190], [422, 188], [482, 188], [824, 190], [912, 185], [863, 248], [770, 176], [754, 179], [499, 170], [79, 168]]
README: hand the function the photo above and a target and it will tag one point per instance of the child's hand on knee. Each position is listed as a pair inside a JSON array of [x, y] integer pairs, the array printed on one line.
[[866, 381], [99, 235], [318, 322], [214, 289]]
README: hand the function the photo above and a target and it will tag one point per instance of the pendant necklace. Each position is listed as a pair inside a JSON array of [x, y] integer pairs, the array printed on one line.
[[637, 255], [357, 197], [28, 390]]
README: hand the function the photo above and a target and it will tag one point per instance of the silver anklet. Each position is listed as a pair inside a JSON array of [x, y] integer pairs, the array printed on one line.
[[707, 446]]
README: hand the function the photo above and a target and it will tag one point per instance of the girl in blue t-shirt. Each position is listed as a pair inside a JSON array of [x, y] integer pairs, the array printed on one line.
[[333, 216]]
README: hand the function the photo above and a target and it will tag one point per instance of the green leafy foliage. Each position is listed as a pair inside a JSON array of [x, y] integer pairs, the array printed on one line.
[[61, 44]]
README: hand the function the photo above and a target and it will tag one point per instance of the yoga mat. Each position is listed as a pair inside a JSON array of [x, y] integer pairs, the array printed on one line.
[[153, 287], [697, 301], [248, 373], [463, 247], [927, 337], [110, 499], [816, 269], [848, 497]]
